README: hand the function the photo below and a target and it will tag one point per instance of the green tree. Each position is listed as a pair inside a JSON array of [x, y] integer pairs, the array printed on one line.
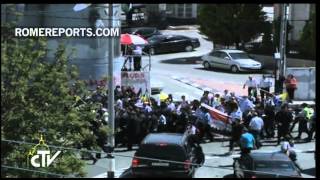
[[267, 45], [38, 96], [229, 24], [308, 38]]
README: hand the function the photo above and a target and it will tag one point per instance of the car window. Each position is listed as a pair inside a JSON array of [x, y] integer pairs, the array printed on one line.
[[241, 55], [148, 30], [177, 38], [167, 152], [155, 39], [274, 165], [216, 54], [223, 55], [167, 39], [140, 32]]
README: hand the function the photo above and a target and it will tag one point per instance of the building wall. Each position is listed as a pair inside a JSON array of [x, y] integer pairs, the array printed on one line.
[[298, 14], [306, 87], [181, 11]]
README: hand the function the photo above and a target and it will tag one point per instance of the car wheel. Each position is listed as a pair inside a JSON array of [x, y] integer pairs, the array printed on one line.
[[234, 69], [206, 65], [152, 51], [188, 48]]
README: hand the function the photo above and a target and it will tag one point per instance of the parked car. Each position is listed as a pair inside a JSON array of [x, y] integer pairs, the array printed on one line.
[[166, 146], [145, 32], [265, 165], [171, 43], [234, 60]]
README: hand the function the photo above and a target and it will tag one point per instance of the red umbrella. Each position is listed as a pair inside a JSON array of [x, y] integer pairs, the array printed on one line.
[[130, 39]]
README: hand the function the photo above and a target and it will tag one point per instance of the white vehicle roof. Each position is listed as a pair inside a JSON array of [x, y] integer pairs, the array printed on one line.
[[230, 51]]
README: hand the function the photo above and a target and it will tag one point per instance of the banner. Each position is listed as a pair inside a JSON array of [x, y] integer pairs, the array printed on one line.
[[136, 79], [220, 120]]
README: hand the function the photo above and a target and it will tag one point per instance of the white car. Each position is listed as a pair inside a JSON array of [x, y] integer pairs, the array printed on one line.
[[235, 60]]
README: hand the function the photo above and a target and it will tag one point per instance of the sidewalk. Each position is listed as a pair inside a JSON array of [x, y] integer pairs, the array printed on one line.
[[268, 62]]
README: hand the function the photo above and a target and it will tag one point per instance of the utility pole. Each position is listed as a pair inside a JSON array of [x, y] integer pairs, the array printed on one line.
[[283, 40], [111, 141], [281, 61]]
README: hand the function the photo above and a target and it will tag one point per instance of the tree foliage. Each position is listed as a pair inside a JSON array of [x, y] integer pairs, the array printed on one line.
[[308, 38], [229, 24], [37, 95]]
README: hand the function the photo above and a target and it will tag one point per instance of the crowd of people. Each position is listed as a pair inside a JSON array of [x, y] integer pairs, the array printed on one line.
[[252, 117]]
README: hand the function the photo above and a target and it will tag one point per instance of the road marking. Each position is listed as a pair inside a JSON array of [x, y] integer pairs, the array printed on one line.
[[212, 157]]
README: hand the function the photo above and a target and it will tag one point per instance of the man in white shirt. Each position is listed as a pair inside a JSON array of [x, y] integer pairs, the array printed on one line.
[[137, 52], [256, 125], [252, 86], [226, 95], [264, 86]]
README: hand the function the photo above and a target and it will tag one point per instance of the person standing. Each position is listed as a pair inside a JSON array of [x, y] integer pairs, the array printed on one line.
[[247, 142], [236, 131], [303, 118], [256, 124], [137, 52], [226, 95], [205, 98], [291, 86], [283, 119], [252, 87], [264, 86], [269, 112], [313, 127]]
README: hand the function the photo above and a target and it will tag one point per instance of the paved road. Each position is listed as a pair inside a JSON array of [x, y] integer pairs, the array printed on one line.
[[167, 66], [217, 163]]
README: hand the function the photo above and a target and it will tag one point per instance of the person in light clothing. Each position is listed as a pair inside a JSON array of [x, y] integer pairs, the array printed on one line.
[[264, 86], [256, 124], [252, 86]]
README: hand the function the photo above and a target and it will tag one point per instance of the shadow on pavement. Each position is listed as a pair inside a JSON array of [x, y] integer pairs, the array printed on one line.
[[228, 176], [219, 155], [264, 71], [310, 171], [127, 174], [191, 60]]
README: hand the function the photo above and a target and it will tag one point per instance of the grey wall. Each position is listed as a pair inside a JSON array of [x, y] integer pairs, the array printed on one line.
[[306, 78]]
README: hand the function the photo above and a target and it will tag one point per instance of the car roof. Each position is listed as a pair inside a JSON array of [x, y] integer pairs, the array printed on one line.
[[231, 50], [275, 156], [161, 36], [166, 138]]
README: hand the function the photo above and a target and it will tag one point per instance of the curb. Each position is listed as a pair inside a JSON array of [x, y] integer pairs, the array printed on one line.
[[195, 85]]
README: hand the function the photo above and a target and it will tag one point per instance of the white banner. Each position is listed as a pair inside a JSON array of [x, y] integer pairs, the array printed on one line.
[[136, 79]]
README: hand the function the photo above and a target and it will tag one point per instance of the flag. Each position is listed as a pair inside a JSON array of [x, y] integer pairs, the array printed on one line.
[[283, 96], [219, 120]]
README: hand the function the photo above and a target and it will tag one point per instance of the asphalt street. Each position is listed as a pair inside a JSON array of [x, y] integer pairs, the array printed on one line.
[[178, 75], [165, 67], [218, 164]]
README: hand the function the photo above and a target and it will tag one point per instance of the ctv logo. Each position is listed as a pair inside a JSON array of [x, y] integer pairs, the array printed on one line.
[[41, 158]]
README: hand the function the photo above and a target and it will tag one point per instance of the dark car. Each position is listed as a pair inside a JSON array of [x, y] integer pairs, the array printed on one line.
[[145, 32], [170, 43], [265, 165], [166, 148]]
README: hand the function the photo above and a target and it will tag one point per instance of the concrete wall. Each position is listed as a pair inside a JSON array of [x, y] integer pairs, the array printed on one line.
[[298, 14], [306, 78]]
